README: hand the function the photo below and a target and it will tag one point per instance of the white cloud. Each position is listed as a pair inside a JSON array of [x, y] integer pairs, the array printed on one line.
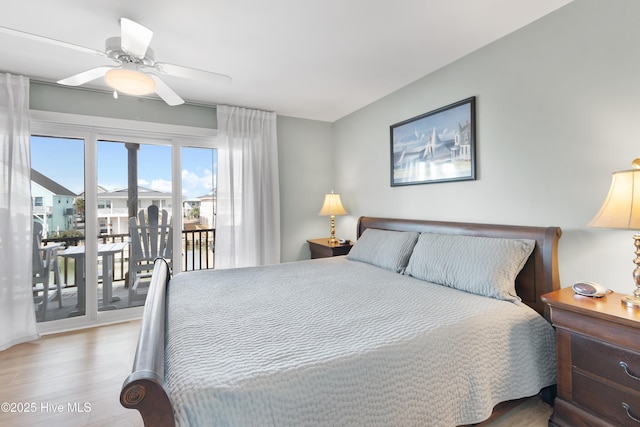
[[193, 184], [196, 184], [161, 185]]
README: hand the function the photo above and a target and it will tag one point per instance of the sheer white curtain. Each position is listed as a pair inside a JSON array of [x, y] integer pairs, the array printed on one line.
[[248, 211], [17, 316]]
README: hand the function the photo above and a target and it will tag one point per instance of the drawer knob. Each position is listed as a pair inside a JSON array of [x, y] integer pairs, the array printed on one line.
[[628, 411], [626, 371]]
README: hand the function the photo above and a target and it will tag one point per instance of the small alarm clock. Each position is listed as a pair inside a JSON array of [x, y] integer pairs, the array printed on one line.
[[589, 289]]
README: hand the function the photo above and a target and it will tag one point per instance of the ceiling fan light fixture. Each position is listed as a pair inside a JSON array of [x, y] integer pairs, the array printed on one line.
[[130, 81]]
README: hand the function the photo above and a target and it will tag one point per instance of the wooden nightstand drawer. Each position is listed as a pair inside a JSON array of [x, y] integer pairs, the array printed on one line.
[[606, 401], [593, 335], [604, 360]]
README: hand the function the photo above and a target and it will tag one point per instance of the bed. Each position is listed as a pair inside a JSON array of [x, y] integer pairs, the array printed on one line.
[[418, 325]]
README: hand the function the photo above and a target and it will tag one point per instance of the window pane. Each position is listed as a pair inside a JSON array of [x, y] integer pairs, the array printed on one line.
[[57, 188], [122, 280], [198, 207]]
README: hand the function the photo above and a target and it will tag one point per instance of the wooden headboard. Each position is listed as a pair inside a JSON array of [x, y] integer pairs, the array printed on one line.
[[538, 276]]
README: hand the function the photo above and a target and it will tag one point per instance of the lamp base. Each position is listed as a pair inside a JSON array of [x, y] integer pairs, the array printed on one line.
[[332, 240], [631, 301]]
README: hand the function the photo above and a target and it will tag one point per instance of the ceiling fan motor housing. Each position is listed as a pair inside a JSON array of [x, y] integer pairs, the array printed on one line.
[[113, 49]]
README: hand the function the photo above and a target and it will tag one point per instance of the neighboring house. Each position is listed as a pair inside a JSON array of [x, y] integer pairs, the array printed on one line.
[[208, 210], [113, 213], [53, 204], [188, 206]]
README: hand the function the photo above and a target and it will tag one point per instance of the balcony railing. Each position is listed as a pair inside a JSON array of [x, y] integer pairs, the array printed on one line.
[[121, 212], [197, 252], [41, 210], [198, 248]]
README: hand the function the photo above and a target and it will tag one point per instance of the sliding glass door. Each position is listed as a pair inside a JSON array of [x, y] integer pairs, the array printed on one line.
[[85, 242], [57, 189]]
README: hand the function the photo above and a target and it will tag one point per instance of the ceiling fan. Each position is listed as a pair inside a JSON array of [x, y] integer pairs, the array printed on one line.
[[136, 72]]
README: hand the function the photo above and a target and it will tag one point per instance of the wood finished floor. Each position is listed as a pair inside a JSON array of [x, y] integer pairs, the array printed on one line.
[[89, 366]]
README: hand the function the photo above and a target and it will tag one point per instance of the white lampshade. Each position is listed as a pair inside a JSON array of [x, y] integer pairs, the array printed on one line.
[[332, 205], [130, 81], [621, 208]]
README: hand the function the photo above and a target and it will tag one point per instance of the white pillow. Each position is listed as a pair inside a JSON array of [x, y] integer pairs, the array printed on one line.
[[480, 265], [384, 248]]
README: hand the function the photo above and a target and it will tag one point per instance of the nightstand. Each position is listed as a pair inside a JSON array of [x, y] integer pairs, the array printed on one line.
[[598, 360], [320, 248]]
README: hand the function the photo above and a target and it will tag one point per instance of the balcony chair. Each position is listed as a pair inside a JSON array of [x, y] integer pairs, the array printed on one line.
[[44, 261], [149, 240]]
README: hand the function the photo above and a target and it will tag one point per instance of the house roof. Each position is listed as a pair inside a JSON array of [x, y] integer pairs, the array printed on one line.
[[50, 185], [209, 195], [143, 193]]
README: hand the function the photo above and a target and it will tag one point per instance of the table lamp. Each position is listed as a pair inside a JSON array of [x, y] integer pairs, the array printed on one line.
[[332, 206], [621, 209]]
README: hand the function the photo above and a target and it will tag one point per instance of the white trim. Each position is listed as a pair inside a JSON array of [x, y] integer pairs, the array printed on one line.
[[176, 188], [120, 126], [76, 323], [91, 227]]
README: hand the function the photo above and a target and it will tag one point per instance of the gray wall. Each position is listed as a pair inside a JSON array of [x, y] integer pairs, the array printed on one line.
[[305, 159], [48, 97], [556, 114]]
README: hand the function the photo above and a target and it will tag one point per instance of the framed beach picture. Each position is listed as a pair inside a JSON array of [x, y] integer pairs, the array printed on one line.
[[438, 146]]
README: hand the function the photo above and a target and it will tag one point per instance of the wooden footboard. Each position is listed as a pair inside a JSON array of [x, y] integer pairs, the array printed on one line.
[[144, 389]]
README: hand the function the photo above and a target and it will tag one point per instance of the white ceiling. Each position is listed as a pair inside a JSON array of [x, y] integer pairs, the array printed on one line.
[[302, 58]]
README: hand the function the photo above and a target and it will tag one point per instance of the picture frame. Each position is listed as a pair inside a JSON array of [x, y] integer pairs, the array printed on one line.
[[438, 146]]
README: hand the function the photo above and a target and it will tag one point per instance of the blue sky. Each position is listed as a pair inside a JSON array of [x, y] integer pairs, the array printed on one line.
[[62, 160]]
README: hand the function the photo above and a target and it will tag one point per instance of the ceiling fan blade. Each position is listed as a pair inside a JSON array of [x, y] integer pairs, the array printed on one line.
[[85, 76], [135, 37], [41, 39], [192, 73], [166, 93]]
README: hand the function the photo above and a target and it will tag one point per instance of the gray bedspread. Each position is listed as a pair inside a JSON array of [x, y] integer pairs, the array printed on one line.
[[339, 342]]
